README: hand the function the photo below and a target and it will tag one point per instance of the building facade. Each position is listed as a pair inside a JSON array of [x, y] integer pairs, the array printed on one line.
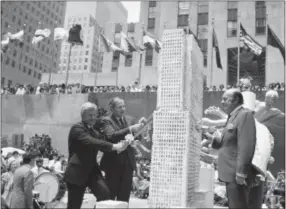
[[25, 65], [86, 62], [224, 18]]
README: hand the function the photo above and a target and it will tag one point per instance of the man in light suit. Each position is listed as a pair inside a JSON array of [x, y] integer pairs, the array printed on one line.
[[236, 149], [119, 168], [83, 170]]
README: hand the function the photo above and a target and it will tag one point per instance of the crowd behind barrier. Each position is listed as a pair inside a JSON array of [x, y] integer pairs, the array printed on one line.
[[44, 88]]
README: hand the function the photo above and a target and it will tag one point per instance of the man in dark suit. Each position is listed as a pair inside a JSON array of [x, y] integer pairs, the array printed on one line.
[[83, 170], [236, 149], [119, 168]]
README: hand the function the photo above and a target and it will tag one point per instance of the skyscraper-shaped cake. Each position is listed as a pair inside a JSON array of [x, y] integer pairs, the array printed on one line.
[[176, 143]]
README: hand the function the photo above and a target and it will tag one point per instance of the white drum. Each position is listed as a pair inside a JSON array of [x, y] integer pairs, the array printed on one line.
[[47, 184]]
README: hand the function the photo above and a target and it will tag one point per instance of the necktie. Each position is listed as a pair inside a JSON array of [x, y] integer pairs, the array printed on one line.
[[121, 122]]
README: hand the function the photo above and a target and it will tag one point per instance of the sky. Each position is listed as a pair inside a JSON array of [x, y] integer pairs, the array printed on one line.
[[81, 7], [133, 8]]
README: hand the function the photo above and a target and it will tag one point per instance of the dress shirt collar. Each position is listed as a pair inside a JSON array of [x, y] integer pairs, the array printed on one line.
[[235, 110]]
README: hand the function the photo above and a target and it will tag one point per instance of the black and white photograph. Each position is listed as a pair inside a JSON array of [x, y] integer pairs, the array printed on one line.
[[143, 104]]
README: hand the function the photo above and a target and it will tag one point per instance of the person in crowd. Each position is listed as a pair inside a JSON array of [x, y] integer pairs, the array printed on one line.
[[3, 163], [58, 164], [38, 168], [15, 156], [53, 160], [21, 90], [39, 87], [82, 170], [119, 168], [236, 149], [22, 193], [7, 181]]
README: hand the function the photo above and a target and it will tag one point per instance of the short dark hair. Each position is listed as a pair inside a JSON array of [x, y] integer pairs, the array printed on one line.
[[28, 157], [238, 95], [15, 153], [113, 101]]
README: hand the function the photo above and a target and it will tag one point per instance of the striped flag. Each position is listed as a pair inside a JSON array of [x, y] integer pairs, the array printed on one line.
[[61, 34], [129, 45], [249, 41], [151, 42], [215, 45], [18, 38], [274, 41], [5, 42], [110, 46], [41, 34]]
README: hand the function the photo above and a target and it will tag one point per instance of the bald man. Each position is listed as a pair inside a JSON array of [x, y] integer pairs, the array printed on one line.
[[236, 149], [83, 170]]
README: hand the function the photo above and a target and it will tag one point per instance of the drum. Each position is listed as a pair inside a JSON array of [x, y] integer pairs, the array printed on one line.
[[47, 184]]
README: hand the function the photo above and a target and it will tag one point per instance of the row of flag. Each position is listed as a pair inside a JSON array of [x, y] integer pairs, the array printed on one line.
[[74, 35], [251, 43]]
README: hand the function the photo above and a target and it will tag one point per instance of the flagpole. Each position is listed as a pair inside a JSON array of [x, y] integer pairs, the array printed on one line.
[[116, 81], [238, 47], [68, 67], [36, 47], [21, 55], [266, 48], [140, 63], [99, 52], [211, 78], [53, 48]]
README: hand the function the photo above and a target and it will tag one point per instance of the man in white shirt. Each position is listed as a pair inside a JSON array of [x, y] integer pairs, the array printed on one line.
[[38, 169], [21, 90]]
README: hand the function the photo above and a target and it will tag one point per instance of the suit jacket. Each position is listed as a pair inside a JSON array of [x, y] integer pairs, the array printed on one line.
[[83, 145], [115, 133], [236, 146], [22, 193]]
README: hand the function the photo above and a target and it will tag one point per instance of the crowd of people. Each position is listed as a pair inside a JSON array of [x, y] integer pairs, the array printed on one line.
[[274, 86], [44, 88]]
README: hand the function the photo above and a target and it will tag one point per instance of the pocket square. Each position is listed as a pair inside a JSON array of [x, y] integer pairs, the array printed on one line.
[[230, 126]]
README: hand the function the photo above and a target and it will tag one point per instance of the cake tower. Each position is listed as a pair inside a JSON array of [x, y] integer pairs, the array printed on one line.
[[176, 143]]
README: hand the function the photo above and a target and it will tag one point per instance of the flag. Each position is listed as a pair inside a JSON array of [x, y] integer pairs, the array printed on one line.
[[109, 46], [40, 34], [150, 42], [61, 34], [249, 41], [18, 38], [75, 35], [215, 45], [5, 42], [274, 41], [91, 21], [129, 45]]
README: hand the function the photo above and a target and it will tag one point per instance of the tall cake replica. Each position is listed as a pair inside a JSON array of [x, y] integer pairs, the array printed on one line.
[[176, 143]]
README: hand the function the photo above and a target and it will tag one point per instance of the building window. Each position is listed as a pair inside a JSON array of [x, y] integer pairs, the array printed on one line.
[[151, 14], [149, 57], [35, 74], [2, 81], [13, 63], [232, 18], [203, 43], [85, 67], [86, 59], [131, 28], [24, 69], [9, 82], [203, 13], [39, 76], [7, 61], [183, 13], [117, 39], [86, 53], [29, 72], [115, 61], [118, 28], [13, 18], [260, 17], [14, 53], [128, 59]]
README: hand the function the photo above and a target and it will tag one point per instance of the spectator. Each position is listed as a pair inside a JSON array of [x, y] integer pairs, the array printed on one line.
[[38, 168], [39, 87], [21, 90]]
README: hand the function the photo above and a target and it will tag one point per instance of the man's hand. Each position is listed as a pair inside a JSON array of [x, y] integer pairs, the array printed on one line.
[[136, 127], [272, 160], [121, 146], [143, 120], [240, 180]]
